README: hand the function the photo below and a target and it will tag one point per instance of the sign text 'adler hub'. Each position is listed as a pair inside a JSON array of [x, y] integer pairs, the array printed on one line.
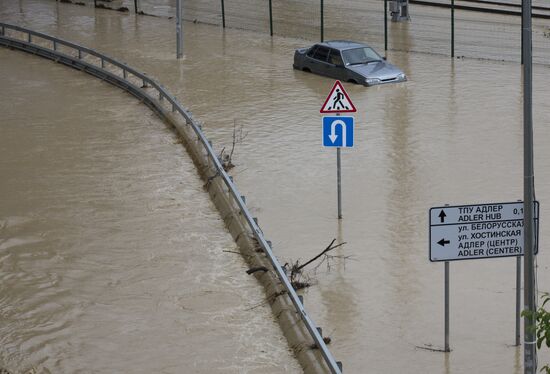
[[478, 231]]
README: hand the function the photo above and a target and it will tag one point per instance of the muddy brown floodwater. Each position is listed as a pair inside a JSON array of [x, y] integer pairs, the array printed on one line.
[[111, 253], [452, 134]]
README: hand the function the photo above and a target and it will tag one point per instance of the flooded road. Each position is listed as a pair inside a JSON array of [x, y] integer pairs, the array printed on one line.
[[111, 254], [452, 134]]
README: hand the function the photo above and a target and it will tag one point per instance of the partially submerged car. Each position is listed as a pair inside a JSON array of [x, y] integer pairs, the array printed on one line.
[[347, 61]]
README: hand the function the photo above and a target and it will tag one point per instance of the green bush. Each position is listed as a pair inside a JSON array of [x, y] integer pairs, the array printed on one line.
[[542, 318]]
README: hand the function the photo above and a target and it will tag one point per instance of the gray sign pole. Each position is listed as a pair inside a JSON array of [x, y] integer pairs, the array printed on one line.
[[339, 177], [179, 32], [452, 28], [529, 331], [447, 348], [518, 300]]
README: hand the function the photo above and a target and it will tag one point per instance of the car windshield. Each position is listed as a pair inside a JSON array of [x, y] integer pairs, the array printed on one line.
[[362, 55]]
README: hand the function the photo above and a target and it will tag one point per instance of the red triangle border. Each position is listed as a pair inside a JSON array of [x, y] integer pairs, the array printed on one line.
[[336, 85]]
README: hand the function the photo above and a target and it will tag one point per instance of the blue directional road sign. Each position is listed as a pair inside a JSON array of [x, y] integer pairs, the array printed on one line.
[[338, 131]]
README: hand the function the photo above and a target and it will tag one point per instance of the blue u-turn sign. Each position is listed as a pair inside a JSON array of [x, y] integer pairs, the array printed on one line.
[[338, 131]]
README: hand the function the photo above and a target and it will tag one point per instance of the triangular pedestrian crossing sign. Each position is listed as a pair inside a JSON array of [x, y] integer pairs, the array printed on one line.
[[338, 101]]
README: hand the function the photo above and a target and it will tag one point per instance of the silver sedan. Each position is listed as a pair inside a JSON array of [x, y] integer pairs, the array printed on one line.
[[348, 62]]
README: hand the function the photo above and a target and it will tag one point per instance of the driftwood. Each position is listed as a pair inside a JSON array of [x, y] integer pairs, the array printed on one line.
[[226, 159], [295, 270], [327, 249], [255, 269]]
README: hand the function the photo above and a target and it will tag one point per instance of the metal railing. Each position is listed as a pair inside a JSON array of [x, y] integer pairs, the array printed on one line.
[[28, 42]]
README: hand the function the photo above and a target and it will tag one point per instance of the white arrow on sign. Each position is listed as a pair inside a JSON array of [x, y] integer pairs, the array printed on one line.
[[333, 136]]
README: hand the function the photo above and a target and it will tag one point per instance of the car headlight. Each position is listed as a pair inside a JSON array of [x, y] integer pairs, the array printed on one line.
[[401, 76], [372, 80]]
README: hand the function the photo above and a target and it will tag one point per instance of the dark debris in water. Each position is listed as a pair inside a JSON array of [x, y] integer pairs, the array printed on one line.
[[326, 339]]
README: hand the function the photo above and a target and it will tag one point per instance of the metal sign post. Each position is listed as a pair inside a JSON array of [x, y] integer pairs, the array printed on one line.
[[338, 131], [531, 242], [339, 181], [447, 347], [518, 300]]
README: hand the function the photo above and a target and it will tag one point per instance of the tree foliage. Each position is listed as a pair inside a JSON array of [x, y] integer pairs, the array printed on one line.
[[542, 318]]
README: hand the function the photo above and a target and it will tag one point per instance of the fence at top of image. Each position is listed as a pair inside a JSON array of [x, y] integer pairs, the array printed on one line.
[[27, 40]]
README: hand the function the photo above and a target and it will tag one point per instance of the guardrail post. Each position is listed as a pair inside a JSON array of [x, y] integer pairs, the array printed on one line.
[[29, 38], [145, 85], [54, 45], [340, 365], [243, 198], [102, 63], [160, 96], [2, 31], [124, 73], [173, 108], [79, 54]]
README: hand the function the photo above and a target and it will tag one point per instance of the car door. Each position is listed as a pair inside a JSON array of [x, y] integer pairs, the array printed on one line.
[[319, 60], [308, 58], [335, 65]]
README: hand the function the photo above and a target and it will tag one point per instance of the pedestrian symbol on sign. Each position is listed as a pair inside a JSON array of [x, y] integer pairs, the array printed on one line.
[[338, 101]]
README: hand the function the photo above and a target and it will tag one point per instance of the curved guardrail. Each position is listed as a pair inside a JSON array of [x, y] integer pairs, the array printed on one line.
[[26, 41]]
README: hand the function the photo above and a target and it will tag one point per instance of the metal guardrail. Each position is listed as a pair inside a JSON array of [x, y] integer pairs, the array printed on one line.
[[53, 53]]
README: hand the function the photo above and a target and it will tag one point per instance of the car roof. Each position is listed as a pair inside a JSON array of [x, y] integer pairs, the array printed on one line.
[[342, 44]]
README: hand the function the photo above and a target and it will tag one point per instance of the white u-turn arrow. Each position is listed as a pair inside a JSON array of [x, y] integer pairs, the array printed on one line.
[[333, 135]]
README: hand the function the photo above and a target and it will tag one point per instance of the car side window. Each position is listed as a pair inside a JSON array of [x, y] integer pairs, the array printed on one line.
[[335, 58], [321, 53], [311, 51]]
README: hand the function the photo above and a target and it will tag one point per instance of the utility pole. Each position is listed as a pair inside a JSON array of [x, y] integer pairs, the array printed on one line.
[[179, 31], [529, 331]]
